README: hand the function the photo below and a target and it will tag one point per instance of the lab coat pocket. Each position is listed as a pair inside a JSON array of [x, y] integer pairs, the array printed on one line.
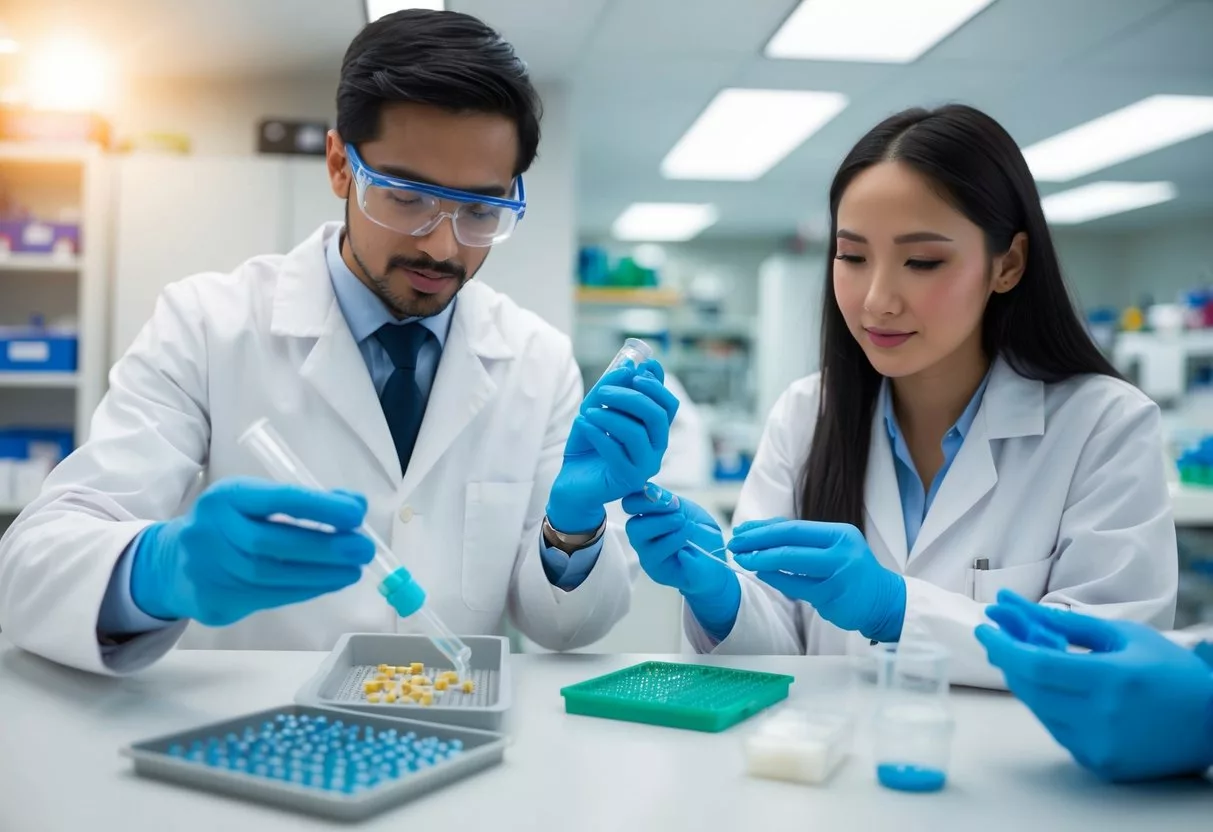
[[1027, 579], [492, 532]]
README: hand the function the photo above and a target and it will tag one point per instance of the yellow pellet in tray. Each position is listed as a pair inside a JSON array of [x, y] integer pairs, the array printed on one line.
[[407, 684]]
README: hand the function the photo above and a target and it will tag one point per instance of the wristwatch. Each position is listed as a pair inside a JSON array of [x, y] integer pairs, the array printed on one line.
[[570, 543]]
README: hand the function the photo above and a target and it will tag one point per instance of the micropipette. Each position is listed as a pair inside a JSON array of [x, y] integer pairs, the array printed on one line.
[[396, 585]]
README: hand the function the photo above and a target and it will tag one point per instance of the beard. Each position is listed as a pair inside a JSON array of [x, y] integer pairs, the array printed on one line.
[[400, 297]]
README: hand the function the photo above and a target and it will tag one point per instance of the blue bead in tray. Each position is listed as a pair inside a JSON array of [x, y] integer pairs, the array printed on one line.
[[338, 764], [321, 753]]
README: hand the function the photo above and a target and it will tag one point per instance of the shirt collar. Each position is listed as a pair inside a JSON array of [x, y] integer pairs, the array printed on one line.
[[963, 425], [364, 312]]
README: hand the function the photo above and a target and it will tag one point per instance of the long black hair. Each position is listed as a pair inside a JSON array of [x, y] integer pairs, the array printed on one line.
[[976, 165], [445, 59]]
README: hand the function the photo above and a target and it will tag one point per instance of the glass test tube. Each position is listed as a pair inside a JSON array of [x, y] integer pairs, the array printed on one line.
[[265, 443]]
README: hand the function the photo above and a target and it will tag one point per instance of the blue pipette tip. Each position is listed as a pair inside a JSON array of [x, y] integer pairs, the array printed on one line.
[[905, 778], [404, 594]]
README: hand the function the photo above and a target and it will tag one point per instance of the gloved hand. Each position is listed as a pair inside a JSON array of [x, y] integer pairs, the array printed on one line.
[[1137, 707], [661, 526], [830, 566], [614, 447], [226, 559]]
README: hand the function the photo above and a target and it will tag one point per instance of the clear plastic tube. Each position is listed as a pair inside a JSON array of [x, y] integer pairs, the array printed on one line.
[[634, 352], [265, 443]]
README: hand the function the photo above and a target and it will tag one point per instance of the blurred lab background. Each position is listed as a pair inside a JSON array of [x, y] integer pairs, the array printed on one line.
[[680, 193]]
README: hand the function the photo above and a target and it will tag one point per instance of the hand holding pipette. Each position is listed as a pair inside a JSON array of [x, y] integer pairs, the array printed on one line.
[[396, 584], [226, 558], [677, 543]]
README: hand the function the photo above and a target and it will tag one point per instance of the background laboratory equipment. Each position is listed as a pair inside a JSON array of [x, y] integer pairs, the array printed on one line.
[[405, 595], [913, 724]]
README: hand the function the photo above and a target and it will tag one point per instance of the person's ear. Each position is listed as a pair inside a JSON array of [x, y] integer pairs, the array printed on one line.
[[338, 165], [1009, 266]]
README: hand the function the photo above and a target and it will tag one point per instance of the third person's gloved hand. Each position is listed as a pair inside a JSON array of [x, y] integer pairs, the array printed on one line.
[[614, 447], [660, 529], [227, 559], [1136, 707], [828, 565]]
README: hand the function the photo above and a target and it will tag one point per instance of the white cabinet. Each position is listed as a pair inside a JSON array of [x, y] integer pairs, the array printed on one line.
[[177, 216]]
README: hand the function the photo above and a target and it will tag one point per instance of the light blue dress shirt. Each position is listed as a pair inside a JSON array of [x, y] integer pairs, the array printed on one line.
[[916, 501], [365, 313]]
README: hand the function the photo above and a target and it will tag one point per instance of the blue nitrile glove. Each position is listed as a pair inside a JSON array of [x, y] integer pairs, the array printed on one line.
[[830, 566], [661, 526], [615, 446], [226, 559], [1137, 707]]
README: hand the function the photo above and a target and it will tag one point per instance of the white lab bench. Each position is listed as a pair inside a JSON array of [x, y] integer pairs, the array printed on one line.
[[60, 770]]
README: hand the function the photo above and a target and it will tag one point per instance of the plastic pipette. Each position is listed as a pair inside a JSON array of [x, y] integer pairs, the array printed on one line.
[[396, 584]]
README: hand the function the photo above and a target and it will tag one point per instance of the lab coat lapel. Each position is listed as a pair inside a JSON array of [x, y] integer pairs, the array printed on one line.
[[882, 497], [462, 385], [1013, 406], [969, 479], [306, 307]]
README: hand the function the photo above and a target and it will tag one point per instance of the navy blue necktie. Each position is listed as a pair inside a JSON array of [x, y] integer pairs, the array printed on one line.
[[402, 402]]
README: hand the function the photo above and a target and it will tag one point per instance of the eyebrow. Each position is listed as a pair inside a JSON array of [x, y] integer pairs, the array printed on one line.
[[915, 237], [413, 176]]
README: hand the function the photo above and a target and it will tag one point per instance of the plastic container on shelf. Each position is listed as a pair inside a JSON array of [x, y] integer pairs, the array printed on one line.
[[37, 348]]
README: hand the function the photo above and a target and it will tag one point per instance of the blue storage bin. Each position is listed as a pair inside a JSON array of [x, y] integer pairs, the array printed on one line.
[[26, 349], [22, 443]]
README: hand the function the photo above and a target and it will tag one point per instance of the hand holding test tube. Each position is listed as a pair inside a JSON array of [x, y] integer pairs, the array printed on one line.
[[635, 352], [396, 584]]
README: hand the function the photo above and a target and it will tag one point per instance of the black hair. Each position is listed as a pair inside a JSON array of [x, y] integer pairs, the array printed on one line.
[[971, 161], [444, 59]]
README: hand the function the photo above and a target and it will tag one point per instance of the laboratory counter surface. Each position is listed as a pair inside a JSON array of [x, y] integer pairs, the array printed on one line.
[[61, 731]]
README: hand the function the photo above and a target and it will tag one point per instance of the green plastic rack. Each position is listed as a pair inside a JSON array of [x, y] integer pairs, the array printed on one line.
[[692, 696]]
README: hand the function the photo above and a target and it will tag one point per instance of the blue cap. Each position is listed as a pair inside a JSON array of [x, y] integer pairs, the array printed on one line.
[[404, 594]]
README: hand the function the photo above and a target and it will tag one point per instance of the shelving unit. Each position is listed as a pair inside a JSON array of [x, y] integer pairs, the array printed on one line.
[[47, 177], [39, 263], [609, 296], [33, 380]]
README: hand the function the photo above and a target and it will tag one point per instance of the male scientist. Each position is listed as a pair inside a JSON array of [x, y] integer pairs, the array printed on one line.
[[1130, 704], [451, 419]]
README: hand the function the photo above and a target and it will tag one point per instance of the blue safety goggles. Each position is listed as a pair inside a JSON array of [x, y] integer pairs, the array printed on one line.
[[415, 208]]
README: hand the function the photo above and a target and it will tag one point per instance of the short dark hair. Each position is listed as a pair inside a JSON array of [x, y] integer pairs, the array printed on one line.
[[444, 59]]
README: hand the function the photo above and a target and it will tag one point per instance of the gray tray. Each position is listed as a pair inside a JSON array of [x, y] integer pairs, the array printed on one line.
[[356, 656], [482, 749]]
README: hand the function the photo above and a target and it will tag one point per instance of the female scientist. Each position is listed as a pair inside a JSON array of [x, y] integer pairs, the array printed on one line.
[[962, 419]]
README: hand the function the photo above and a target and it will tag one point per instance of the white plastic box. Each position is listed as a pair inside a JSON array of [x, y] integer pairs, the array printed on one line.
[[799, 743]]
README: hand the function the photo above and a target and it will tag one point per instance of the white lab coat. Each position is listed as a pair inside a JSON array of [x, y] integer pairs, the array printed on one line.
[[1061, 486], [269, 339]]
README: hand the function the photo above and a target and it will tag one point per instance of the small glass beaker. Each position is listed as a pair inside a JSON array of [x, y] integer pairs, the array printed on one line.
[[913, 724]]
